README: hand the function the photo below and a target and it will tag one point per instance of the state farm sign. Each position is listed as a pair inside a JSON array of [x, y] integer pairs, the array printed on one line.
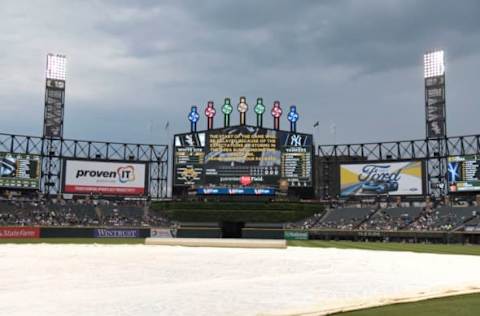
[[19, 232]]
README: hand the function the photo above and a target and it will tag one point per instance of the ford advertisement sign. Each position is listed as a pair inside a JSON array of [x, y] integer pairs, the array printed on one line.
[[392, 178], [106, 178]]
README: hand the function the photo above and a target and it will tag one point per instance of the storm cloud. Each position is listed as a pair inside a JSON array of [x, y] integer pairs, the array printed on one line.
[[133, 66]]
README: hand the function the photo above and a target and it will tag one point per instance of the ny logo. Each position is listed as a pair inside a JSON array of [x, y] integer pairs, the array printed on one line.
[[296, 140]]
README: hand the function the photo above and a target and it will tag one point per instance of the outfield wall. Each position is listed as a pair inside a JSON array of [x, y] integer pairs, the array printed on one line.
[[247, 233], [70, 232]]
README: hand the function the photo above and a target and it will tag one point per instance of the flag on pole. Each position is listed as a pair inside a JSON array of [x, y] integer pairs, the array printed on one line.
[[167, 125], [333, 128], [316, 124]]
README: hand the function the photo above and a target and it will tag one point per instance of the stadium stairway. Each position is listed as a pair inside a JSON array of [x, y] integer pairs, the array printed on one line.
[[367, 218]]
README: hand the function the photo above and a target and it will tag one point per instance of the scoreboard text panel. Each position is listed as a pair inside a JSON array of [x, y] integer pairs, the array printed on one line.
[[243, 156]]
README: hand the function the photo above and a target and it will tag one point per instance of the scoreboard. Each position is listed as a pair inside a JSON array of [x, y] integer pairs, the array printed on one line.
[[464, 173], [19, 171], [242, 157]]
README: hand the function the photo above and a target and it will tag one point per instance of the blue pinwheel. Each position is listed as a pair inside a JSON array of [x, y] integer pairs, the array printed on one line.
[[293, 115], [193, 117]]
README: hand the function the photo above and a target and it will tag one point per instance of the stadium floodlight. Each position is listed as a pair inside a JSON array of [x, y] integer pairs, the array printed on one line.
[[56, 67], [434, 64]]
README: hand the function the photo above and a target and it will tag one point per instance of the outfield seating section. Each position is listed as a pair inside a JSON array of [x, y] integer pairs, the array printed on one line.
[[345, 218], [398, 218], [252, 214], [70, 213]]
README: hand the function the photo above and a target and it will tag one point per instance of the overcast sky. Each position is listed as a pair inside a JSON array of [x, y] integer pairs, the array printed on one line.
[[134, 65]]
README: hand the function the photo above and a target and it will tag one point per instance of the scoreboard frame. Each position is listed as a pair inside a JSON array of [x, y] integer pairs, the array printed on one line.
[[26, 183], [453, 187], [199, 141]]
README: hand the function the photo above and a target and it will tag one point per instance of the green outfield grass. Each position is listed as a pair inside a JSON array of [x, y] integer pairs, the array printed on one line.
[[453, 249], [109, 241], [462, 305]]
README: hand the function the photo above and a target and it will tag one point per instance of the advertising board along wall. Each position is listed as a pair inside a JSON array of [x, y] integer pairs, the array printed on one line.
[[393, 178], [102, 177]]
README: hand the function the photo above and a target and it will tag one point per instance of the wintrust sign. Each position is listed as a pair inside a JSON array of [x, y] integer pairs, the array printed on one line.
[[116, 233], [97, 177]]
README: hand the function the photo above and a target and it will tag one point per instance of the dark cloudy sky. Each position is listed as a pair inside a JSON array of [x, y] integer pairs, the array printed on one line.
[[134, 65]]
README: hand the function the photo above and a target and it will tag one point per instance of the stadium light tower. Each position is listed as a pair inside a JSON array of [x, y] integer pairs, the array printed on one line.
[[434, 74], [434, 64], [55, 75], [56, 67], [435, 119]]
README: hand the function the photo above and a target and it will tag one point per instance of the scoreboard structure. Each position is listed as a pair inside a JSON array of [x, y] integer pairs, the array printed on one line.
[[243, 160], [20, 171], [464, 173]]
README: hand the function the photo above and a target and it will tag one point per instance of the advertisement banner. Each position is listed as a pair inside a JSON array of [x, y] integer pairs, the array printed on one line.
[[235, 191], [161, 233], [19, 232], [116, 233], [296, 235], [98, 177], [393, 178]]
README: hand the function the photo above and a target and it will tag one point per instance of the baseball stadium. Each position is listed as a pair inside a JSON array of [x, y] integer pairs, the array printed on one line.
[[242, 211]]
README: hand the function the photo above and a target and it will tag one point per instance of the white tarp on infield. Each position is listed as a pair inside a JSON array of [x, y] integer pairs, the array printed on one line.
[[162, 280]]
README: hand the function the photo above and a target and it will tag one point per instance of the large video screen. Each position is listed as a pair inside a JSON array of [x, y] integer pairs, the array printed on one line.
[[104, 177], [19, 171], [243, 156], [393, 178], [463, 173]]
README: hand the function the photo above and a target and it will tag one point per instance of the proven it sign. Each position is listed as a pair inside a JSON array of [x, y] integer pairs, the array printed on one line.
[[108, 178]]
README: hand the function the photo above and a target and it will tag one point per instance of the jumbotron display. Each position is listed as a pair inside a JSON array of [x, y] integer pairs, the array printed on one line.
[[242, 160], [464, 173], [19, 171]]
